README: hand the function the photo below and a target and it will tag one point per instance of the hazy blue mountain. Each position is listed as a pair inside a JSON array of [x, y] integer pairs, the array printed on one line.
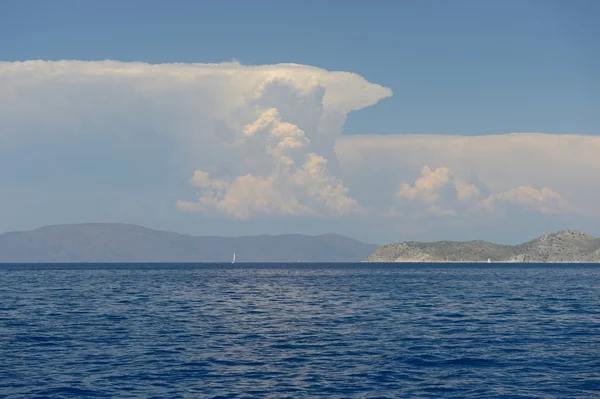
[[115, 242]]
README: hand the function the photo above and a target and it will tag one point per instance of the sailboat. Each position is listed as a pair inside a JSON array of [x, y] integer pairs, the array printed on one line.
[[489, 260], [233, 260]]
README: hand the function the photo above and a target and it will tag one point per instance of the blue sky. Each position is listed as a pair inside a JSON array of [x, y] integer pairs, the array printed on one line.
[[458, 67], [92, 142]]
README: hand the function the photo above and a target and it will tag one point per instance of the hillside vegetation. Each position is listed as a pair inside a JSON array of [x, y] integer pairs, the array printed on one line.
[[561, 247]]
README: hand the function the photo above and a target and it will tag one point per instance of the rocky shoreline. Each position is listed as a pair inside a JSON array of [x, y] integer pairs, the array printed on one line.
[[567, 246]]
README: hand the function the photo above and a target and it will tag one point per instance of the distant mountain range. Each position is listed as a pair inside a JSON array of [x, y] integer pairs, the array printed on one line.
[[562, 247], [115, 242]]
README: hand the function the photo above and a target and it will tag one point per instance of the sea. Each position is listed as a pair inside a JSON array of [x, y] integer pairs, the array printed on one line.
[[299, 331]]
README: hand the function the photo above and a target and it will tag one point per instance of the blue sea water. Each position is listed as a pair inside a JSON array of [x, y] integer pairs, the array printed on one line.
[[299, 331]]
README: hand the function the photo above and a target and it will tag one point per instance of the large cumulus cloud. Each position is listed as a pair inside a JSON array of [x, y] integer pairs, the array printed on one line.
[[251, 143], [262, 136]]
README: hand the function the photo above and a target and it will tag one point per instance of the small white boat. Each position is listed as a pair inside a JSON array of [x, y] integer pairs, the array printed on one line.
[[233, 260], [489, 260]]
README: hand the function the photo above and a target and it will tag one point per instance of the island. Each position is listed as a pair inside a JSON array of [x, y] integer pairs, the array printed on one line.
[[567, 246]]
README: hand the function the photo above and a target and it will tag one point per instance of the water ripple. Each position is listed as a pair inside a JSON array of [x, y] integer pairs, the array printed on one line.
[[277, 331]]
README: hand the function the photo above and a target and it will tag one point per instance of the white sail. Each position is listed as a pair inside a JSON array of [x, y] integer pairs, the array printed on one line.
[[489, 260], [233, 261]]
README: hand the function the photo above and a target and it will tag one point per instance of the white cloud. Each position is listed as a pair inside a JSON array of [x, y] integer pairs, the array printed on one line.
[[279, 193], [551, 174], [445, 195], [254, 141], [545, 200], [244, 197], [293, 179], [258, 139], [466, 191], [427, 188]]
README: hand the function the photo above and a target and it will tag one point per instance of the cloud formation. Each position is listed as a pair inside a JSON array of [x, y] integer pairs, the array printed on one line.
[[257, 142], [528, 198], [296, 182], [450, 175], [257, 139], [276, 194], [445, 195]]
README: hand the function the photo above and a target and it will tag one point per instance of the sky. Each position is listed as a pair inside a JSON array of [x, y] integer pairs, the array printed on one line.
[[385, 121]]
